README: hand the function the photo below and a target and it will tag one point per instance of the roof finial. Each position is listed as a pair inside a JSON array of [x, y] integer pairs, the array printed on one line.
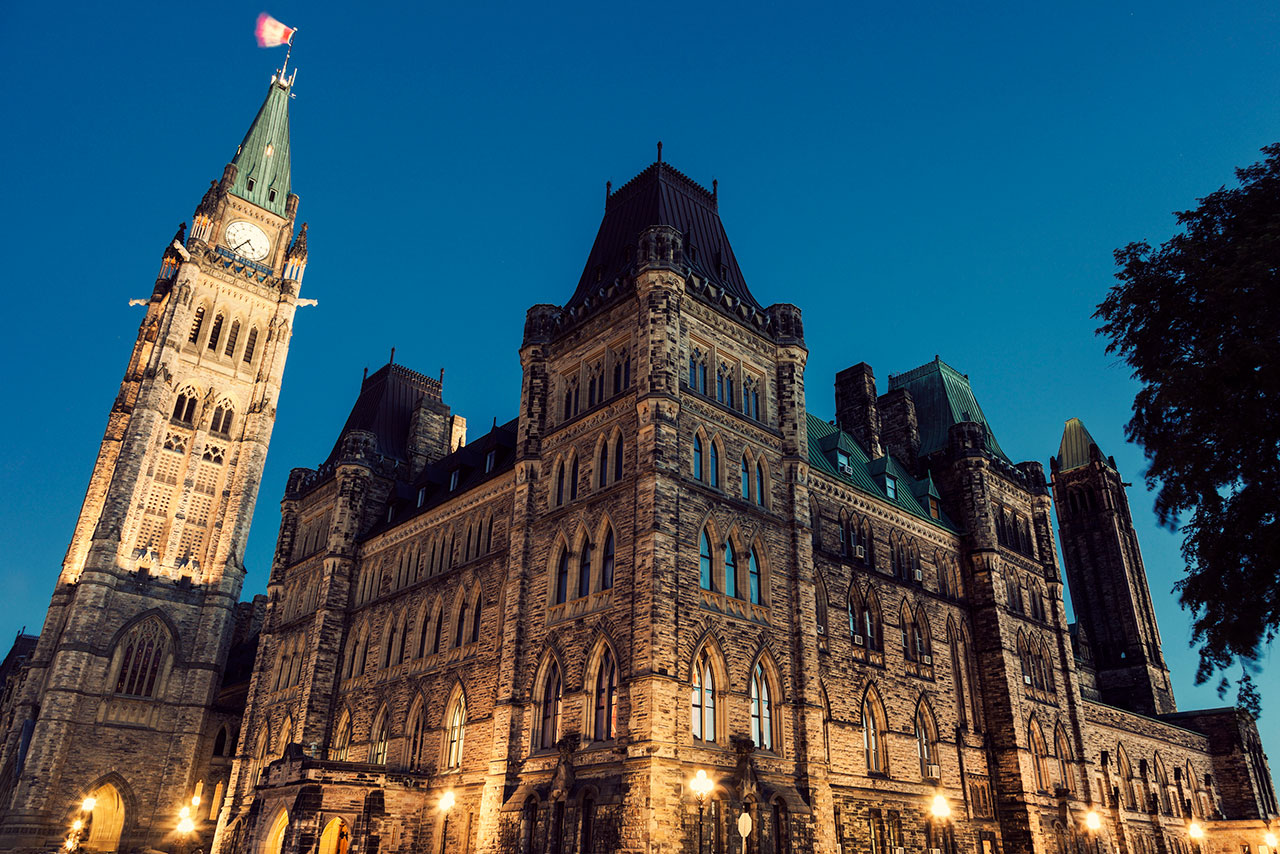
[[608, 190], [393, 356], [659, 151], [715, 189], [442, 376], [366, 374]]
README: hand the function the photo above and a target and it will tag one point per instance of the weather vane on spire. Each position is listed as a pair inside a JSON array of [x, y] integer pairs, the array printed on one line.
[[272, 33]]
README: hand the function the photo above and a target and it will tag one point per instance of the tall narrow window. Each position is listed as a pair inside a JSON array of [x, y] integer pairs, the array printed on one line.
[[378, 747], [475, 621], [417, 732], [697, 457], [341, 741], [249, 346], [606, 704], [456, 729], [460, 624], [713, 476], [730, 570], [760, 483], [438, 639], [704, 562], [573, 479], [584, 569], [562, 576], [617, 457], [559, 484], [926, 748], [196, 322], [746, 478], [231, 339], [215, 332], [551, 696], [704, 699], [602, 466], [871, 738], [761, 709], [606, 562], [753, 563]]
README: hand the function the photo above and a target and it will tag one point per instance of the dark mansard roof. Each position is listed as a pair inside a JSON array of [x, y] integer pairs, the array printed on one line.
[[662, 195], [385, 407], [942, 397]]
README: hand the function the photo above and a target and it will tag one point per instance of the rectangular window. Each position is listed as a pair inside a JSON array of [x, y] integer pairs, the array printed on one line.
[[453, 480], [891, 487], [422, 496], [489, 460]]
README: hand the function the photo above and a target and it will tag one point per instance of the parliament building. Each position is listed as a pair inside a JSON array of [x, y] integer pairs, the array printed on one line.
[[664, 608]]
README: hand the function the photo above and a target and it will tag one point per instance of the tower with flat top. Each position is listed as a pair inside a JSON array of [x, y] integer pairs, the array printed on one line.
[[119, 705]]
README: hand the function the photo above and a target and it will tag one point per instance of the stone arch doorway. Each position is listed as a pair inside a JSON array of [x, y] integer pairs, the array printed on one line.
[[274, 841], [105, 821], [336, 838]]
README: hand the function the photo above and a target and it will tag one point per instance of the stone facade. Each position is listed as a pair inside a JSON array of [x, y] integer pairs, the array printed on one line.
[[130, 694], [665, 564]]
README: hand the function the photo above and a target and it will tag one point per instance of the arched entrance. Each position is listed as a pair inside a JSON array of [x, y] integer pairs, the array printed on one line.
[[105, 821], [274, 841], [336, 837]]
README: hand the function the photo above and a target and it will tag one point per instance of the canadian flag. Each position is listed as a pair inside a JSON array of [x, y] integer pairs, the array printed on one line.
[[272, 33]]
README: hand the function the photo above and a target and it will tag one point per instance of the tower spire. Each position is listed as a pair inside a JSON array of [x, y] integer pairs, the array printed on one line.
[[262, 167]]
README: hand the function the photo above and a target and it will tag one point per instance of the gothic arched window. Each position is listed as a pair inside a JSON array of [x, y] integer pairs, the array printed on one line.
[[926, 743], [704, 561], [760, 480], [704, 699], [602, 466], [617, 456], [460, 625], [456, 728], [417, 735], [552, 691], [713, 473], [698, 464], [249, 346], [562, 576], [197, 320], [606, 698], [215, 332], [1039, 758], [378, 740], [746, 478], [144, 651], [753, 572], [584, 568], [184, 408], [475, 620], [341, 739], [761, 709], [231, 339], [606, 562], [873, 746], [730, 570]]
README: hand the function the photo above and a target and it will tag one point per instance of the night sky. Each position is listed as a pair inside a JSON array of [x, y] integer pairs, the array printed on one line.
[[920, 179]]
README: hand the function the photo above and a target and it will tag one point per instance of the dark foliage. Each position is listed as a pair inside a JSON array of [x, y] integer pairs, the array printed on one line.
[[1198, 321]]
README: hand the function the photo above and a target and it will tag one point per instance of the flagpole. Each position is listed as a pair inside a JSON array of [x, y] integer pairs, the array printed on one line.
[[285, 68]]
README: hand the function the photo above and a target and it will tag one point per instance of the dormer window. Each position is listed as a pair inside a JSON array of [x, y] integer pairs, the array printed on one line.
[[842, 460], [250, 184], [489, 459], [891, 487], [453, 480], [422, 495], [271, 195], [391, 512], [934, 510]]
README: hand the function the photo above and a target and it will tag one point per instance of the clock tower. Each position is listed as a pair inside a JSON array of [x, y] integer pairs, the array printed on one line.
[[130, 659]]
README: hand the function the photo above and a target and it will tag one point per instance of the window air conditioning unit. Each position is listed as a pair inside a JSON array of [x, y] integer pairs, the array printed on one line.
[[899, 850], [927, 659], [934, 772], [919, 575], [846, 469], [857, 640], [935, 851], [1026, 680], [860, 552]]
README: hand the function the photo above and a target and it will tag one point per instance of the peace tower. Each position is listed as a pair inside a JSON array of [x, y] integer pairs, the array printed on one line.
[[120, 700]]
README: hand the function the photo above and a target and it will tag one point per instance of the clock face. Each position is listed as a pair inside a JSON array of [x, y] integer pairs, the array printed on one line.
[[246, 239]]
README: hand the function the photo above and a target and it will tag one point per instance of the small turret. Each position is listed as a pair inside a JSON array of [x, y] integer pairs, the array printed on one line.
[[296, 259]]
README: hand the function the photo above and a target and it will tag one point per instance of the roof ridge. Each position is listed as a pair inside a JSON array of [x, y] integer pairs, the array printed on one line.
[[924, 370], [661, 169]]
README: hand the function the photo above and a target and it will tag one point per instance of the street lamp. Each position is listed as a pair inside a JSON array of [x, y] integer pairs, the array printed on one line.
[[72, 842], [1093, 821], [446, 803], [702, 786]]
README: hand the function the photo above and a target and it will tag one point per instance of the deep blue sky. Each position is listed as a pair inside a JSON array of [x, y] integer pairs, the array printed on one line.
[[921, 179]]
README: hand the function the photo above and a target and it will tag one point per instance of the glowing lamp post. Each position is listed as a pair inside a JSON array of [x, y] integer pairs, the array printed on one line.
[[446, 803], [940, 809], [702, 786], [1196, 831], [1093, 821], [72, 842]]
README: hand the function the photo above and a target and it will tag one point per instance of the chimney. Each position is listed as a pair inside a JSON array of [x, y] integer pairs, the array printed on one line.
[[900, 430], [856, 407]]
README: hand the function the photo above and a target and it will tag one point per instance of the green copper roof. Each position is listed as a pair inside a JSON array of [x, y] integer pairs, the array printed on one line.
[[942, 397], [1076, 442], [867, 475], [262, 161]]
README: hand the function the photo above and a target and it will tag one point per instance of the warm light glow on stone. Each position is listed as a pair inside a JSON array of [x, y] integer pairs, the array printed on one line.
[[1092, 820], [701, 784], [186, 825], [1271, 840], [184, 812], [1196, 830], [89, 804], [447, 801], [77, 824], [940, 808]]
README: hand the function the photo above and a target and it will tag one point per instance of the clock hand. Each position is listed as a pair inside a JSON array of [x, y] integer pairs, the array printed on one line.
[[237, 249]]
